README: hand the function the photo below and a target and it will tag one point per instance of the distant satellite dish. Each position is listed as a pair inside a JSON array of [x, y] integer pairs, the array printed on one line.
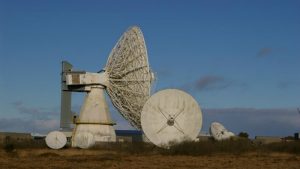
[[219, 132], [84, 140], [171, 116], [56, 140]]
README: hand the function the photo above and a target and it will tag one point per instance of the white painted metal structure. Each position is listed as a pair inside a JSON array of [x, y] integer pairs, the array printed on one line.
[[219, 132], [84, 140], [129, 75], [171, 116], [66, 114], [56, 140], [126, 78]]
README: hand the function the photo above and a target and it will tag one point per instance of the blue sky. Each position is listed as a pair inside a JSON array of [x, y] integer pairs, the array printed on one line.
[[239, 59]]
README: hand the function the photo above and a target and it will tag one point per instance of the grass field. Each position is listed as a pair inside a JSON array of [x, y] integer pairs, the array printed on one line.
[[229, 154]]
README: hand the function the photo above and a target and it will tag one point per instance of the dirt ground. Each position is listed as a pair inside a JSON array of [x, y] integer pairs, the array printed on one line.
[[76, 158]]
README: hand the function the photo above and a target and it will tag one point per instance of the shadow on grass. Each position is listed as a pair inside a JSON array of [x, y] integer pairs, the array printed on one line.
[[284, 147], [131, 148], [234, 146], [211, 147]]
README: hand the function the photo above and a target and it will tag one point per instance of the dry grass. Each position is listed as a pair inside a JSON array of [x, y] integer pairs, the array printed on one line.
[[236, 147], [229, 154], [76, 158]]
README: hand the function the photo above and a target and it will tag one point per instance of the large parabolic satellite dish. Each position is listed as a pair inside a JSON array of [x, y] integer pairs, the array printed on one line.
[[129, 75], [171, 116], [126, 78]]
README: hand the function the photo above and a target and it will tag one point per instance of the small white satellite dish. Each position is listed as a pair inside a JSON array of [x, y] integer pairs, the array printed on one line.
[[56, 140], [171, 116], [219, 132], [84, 140]]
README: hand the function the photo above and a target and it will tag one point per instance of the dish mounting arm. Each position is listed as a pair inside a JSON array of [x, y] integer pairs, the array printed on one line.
[[66, 115]]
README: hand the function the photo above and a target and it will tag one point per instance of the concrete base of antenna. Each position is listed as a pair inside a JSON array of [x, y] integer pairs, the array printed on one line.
[[95, 119]]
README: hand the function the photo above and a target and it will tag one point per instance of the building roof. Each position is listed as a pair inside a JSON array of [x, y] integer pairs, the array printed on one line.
[[128, 132]]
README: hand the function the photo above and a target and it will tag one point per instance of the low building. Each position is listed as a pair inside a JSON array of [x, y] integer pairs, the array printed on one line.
[[267, 139], [129, 135], [6, 137], [203, 137]]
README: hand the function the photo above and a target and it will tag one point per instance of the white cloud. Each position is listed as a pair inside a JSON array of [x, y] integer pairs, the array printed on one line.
[[23, 125], [45, 125], [35, 112]]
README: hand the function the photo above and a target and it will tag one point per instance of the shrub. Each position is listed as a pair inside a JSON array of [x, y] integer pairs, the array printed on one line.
[[243, 134], [131, 148], [286, 147], [9, 147], [210, 147]]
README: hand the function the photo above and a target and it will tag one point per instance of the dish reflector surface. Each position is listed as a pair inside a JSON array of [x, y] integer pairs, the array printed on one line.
[[171, 116], [129, 75], [219, 132], [56, 140]]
